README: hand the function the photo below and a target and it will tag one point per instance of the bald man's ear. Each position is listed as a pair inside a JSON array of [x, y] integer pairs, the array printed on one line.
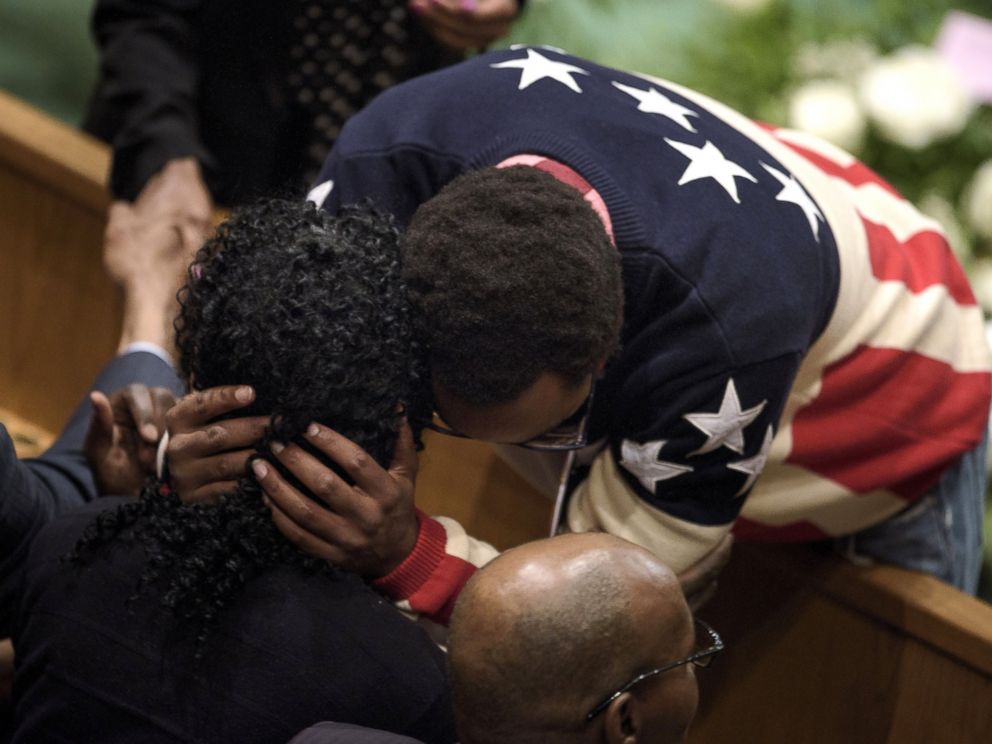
[[622, 721]]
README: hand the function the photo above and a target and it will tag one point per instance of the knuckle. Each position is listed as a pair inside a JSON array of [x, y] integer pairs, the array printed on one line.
[[179, 445], [200, 404], [215, 435], [304, 513], [359, 460], [371, 521], [325, 485], [351, 542], [218, 471]]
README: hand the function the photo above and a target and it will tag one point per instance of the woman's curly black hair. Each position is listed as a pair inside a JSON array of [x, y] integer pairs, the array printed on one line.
[[310, 310]]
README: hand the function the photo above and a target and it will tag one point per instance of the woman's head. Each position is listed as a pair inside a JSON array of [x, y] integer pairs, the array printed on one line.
[[310, 310]]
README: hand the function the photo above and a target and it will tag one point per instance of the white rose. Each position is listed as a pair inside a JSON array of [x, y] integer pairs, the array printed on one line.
[[829, 110], [977, 201], [843, 59], [744, 6], [915, 97]]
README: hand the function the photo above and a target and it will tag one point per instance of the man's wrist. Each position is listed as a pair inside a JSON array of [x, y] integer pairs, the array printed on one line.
[[418, 566], [145, 322]]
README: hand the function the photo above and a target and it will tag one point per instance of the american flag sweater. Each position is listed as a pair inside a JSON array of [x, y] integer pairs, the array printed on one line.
[[801, 357]]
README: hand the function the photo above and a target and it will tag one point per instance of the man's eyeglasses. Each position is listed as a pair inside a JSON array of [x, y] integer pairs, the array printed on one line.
[[570, 434], [708, 645]]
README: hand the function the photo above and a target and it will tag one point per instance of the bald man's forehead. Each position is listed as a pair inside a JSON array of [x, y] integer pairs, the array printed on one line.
[[572, 555]]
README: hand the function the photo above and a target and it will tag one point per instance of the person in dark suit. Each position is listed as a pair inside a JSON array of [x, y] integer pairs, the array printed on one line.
[[223, 101], [33, 491]]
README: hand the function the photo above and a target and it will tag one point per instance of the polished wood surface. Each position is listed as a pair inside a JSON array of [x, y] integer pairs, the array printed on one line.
[[466, 481], [819, 650], [59, 313]]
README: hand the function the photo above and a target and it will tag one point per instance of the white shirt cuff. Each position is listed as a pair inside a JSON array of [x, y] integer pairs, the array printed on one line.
[[151, 348]]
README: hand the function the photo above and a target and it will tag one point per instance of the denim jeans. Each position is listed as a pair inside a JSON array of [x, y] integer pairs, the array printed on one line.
[[941, 534]]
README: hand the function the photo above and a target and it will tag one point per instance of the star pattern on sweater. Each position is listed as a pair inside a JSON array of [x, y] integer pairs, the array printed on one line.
[[725, 428], [641, 461], [708, 162], [793, 193], [537, 67], [651, 101], [752, 466]]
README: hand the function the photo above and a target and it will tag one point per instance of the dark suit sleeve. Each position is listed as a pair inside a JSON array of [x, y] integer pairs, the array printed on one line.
[[33, 491], [145, 104]]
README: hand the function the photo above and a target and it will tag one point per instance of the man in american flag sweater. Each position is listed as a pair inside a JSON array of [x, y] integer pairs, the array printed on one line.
[[801, 357]]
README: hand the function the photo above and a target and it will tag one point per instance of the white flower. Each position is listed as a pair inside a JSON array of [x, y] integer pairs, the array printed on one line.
[[744, 6], [828, 109], [844, 59], [977, 201], [915, 97], [936, 206], [980, 274]]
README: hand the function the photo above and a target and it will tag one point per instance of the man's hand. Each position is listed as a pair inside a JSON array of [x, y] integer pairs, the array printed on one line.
[[206, 457], [368, 527], [122, 440], [699, 580], [178, 196], [466, 24]]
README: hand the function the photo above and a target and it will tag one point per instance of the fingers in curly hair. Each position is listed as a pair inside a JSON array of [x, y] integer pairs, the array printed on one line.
[[202, 406], [306, 514], [360, 466]]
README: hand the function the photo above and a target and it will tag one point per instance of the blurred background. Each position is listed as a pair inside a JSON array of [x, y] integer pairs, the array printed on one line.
[[906, 85]]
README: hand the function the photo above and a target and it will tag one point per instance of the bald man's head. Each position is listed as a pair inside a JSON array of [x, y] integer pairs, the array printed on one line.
[[547, 630]]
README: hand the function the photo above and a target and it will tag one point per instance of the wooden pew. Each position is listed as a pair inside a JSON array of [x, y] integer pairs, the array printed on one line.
[[822, 651], [818, 650], [59, 313]]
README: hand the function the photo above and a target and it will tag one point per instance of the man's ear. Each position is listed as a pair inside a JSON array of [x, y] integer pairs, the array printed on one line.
[[622, 721]]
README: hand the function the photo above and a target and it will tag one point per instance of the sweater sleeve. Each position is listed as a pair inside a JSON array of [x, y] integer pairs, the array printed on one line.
[[146, 100], [430, 579]]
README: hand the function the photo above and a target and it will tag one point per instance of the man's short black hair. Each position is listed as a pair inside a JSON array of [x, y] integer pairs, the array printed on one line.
[[511, 274]]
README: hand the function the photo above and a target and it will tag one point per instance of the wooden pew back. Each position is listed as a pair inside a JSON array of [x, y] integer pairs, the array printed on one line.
[[59, 313]]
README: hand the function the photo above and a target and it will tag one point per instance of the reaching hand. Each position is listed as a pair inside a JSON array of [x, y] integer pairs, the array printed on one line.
[[147, 246], [178, 196], [369, 526], [699, 580], [206, 457], [466, 24], [122, 440]]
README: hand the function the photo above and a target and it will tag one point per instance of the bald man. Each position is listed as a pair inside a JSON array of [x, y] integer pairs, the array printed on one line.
[[544, 637]]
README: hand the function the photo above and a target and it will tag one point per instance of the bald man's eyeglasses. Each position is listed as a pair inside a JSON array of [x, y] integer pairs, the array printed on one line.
[[708, 645]]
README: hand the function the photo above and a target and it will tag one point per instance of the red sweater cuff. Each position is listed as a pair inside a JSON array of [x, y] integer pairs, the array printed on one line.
[[428, 552]]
